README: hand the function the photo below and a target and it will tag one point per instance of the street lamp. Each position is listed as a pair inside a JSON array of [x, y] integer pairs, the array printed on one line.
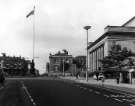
[[87, 28], [63, 67]]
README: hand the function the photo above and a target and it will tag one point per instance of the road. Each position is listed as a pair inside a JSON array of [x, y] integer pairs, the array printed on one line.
[[56, 92]]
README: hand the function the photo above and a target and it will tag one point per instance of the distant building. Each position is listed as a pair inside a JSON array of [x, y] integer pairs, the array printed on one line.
[[14, 66], [57, 59], [123, 35]]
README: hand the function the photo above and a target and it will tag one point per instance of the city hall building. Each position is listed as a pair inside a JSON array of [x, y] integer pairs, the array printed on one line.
[[123, 35], [57, 59]]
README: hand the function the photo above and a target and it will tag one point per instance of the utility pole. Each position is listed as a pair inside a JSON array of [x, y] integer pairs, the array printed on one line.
[[87, 28]]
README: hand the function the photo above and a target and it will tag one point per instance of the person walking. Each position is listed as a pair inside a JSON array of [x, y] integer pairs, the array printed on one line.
[[2, 76], [103, 80], [117, 79]]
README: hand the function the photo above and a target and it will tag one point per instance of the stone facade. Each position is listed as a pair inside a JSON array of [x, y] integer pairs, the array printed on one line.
[[57, 59], [123, 35]]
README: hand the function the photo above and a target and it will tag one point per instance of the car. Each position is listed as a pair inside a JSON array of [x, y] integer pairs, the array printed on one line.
[[95, 77], [100, 76]]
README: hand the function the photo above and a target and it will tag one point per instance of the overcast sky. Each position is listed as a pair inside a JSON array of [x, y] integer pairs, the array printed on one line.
[[59, 25]]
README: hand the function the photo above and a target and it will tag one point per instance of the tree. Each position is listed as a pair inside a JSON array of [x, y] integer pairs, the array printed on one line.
[[65, 51], [80, 62], [116, 57], [32, 70]]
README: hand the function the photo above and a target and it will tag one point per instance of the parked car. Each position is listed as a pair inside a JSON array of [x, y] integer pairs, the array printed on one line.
[[95, 77], [100, 76]]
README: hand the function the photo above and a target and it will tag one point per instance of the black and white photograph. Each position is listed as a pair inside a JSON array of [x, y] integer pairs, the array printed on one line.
[[67, 52]]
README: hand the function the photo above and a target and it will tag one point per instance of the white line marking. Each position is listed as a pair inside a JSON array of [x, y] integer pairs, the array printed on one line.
[[122, 96], [129, 96], [117, 100], [27, 92], [118, 91], [34, 103], [106, 96], [133, 99], [90, 90], [113, 95], [97, 92], [132, 104], [127, 100], [77, 85], [85, 88], [82, 87], [1, 88]]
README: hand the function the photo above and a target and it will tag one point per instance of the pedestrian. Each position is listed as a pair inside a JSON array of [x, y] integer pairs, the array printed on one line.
[[97, 76], [76, 74], [2, 76], [117, 79]]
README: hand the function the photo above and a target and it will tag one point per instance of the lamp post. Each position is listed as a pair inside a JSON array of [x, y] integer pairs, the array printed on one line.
[[63, 67], [87, 28]]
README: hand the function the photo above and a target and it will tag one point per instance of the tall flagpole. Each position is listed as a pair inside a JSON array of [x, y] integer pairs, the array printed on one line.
[[34, 35], [33, 48]]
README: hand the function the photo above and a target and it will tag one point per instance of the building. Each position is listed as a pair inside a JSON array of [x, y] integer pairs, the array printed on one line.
[[123, 35], [14, 66], [57, 59]]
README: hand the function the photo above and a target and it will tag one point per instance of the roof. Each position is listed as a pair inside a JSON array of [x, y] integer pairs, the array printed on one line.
[[60, 56], [133, 18], [96, 41], [124, 29]]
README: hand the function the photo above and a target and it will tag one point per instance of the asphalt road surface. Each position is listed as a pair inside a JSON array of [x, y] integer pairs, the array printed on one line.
[[56, 92]]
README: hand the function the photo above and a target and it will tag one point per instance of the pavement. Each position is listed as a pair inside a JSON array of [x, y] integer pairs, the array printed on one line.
[[108, 83]]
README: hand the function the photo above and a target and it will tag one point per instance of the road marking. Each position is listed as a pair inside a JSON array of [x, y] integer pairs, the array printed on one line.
[[90, 90], [81, 87], [114, 96], [34, 103], [129, 96], [1, 88], [132, 104], [85, 88], [27, 92], [106, 96], [77, 85], [97, 92], [117, 91], [127, 100], [133, 99], [122, 96], [117, 100]]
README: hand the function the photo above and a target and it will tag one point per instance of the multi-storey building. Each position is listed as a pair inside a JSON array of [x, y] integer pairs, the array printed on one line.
[[14, 66], [123, 35], [57, 59]]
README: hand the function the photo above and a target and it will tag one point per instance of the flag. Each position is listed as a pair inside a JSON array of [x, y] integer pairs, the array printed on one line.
[[31, 13]]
